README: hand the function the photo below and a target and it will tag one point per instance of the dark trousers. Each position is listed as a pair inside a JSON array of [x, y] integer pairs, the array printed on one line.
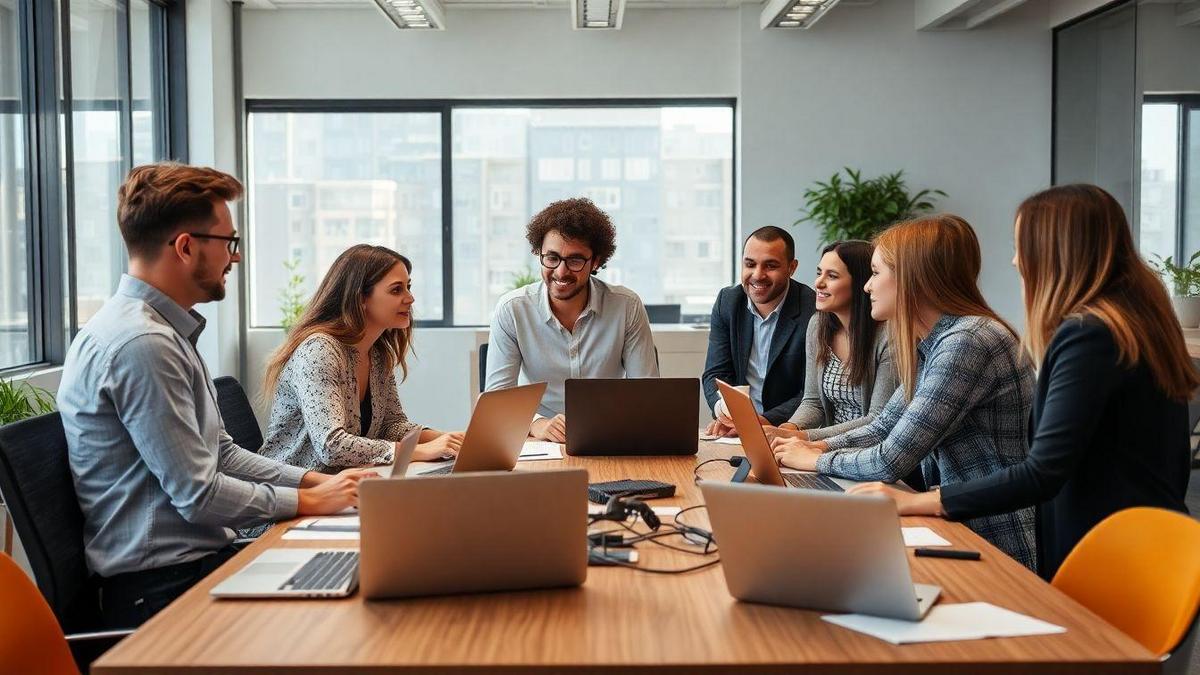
[[128, 600]]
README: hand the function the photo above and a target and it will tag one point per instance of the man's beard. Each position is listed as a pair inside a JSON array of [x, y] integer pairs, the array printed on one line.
[[214, 288]]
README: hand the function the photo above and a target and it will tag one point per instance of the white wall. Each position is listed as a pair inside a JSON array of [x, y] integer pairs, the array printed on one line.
[[964, 111], [1168, 54]]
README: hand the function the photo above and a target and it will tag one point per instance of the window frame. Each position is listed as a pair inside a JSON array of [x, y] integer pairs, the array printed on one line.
[[44, 68], [1185, 103], [446, 109]]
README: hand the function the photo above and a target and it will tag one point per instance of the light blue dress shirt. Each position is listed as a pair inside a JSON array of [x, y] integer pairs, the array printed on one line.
[[611, 339], [158, 479], [760, 348]]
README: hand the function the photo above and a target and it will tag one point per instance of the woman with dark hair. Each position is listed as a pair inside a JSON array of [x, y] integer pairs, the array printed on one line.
[[849, 375], [334, 378], [1109, 427]]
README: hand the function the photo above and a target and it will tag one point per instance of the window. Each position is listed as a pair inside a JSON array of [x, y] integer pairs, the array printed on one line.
[[83, 98], [1169, 203], [324, 175], [379, 170]]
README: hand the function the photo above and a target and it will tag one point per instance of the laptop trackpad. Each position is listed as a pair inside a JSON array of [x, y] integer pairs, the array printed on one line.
[[269, 568], [927, 594]]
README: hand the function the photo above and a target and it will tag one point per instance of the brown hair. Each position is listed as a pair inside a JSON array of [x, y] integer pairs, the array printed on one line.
[[936, 261], [856, 256], [577, 219], [1076, 254], [336, 309], [158, 200]]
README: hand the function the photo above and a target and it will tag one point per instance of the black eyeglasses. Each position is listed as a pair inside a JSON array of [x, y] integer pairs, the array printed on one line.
[[231, 242], [574, 263]]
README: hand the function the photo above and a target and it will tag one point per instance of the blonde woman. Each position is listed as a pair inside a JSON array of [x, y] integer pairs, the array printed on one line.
[[334, 379], [966, 387], [1109, 427]]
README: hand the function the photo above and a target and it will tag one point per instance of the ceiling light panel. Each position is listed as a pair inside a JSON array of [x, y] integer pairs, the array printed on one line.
[[794, 13], [597, 14], [414, 14]]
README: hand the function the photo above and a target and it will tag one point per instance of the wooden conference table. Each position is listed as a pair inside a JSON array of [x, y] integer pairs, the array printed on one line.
[[620, 620]]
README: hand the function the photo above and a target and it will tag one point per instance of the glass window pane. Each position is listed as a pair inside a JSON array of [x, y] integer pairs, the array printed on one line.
[[15, 345], [664, 176], [97, 161], [146, 62], [1160, 182], [1191, 182], [322, 182]]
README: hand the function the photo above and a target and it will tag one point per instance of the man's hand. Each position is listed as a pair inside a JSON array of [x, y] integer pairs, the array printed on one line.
[[332, 493], [442, 447], [720, 429], [550, 429]]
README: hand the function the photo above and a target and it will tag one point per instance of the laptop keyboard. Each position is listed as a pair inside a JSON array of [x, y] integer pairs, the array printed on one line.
[[326, 571], [811, 481], [440, 471]]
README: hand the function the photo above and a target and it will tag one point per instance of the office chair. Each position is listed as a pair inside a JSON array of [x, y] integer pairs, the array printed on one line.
[[482, 367], [237, 414], [1139, 570], [35, 479], [30, 640]]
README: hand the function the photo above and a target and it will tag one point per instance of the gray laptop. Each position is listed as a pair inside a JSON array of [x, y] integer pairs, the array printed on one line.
[[404, 453], [294, 573], [633, 416], [815, 550], [497, 431], [473, 532]]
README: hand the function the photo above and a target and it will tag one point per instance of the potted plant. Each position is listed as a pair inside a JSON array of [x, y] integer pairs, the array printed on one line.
[[291, 297], [854, 208], [19, 400], [1185, 287]]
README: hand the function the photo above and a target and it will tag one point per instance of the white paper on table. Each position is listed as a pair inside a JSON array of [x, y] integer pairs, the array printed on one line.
[[663, 512], [962, 621], [922, 536], [298, 531], [536, 451], [729, 441]]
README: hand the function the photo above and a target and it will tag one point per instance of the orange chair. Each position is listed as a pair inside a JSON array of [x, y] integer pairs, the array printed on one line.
[[1139, 570], [30, 640]]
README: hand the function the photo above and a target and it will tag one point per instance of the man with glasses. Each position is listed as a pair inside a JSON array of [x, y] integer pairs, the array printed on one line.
[[570, 324], [161, 485]]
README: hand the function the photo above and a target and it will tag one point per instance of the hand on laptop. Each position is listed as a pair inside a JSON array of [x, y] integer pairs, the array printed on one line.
[[785, 430], [332, 493], [442, 447], [722, 427], [797, 454], [550, 429]]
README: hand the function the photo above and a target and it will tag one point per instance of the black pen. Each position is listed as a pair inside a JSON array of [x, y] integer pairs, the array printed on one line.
[[946, 553]]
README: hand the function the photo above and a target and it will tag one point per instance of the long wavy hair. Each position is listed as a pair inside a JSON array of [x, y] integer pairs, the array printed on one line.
[[856, 256], [1076, 254], [336, 309], [936, 261]]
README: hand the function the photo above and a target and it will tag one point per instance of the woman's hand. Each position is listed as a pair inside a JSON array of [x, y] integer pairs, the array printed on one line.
[[908, 503], [797, 454], [442, 447], [785, 430]]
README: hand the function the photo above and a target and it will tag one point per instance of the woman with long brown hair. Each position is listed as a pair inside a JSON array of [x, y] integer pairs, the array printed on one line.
[[848, 378], [334, 378], [1109, 427], [966, 388]]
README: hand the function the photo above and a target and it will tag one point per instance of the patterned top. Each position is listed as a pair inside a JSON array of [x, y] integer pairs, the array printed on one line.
[[315, 420], [846, 398], [968, 418]]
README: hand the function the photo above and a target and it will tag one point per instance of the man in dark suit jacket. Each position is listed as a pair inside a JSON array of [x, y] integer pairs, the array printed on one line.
[[756, 334]]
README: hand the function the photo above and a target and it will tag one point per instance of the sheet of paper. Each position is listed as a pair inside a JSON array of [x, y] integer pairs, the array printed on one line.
[[922, 536], [309, 529], [729, 441], [963, 621], [536, 451]]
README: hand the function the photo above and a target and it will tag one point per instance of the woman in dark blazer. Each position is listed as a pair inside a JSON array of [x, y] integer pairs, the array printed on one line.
[[1108, 429]]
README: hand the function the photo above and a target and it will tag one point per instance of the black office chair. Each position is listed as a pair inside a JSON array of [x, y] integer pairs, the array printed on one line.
[[237, 414], [482, 366], [35, 479], [664, 313]]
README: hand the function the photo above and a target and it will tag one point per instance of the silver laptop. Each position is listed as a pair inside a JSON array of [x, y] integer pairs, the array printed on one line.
[[473, 532], [294, 573], [815, 550], [758, 449], [497, 431], [404, 453]]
